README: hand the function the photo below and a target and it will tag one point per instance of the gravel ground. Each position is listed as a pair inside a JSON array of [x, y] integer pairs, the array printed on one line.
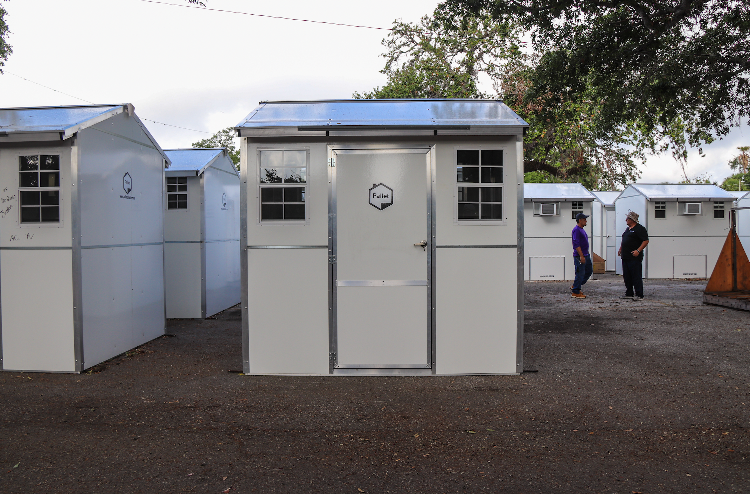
[[619, 396]]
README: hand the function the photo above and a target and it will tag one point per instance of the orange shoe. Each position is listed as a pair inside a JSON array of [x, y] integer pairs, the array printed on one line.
[[578, 295]]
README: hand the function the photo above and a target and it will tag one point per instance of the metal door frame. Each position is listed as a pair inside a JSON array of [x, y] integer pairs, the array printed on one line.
[[333, 366]]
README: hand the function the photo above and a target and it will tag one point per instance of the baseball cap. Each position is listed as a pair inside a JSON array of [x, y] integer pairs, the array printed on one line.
[[581, 216]]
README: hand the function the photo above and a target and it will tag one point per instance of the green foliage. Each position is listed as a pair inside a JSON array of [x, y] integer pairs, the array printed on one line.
[[222, 139], [538, 177], [738, 181], [446, 54], [5, 48], [676, 69], [741, 161]]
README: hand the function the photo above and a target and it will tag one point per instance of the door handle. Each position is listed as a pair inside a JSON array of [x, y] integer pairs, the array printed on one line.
[[422, 244]]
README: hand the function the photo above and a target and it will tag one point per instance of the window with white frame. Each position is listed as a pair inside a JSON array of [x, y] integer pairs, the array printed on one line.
[[39, 188], [660, 209], [177, 197], [479, 184], [283, 185], [718, 210], [577, 207]]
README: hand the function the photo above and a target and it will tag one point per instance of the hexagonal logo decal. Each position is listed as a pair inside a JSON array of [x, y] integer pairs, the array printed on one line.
[[127, 183], [381, 196]]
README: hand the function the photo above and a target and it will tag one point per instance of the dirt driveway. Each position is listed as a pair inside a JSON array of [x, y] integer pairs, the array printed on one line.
[[621, 397]]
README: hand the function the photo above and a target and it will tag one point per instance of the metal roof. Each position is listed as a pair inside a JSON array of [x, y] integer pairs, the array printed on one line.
[[194, 160], [64, 119], [606, 197], [49, 123], [683, 192], [556, 192], [738, 194], [386, 114]]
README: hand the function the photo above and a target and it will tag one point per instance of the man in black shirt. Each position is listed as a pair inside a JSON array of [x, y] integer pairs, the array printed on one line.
[[634, 240]]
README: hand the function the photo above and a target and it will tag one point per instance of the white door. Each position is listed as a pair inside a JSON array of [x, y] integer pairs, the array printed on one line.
[[611, 231], [381, 247]]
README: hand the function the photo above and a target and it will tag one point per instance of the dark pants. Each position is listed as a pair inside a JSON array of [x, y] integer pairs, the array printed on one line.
[[632, 274], [583, 272]]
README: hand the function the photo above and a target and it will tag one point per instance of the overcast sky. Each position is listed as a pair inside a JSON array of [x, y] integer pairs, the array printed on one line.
[[206, 70]]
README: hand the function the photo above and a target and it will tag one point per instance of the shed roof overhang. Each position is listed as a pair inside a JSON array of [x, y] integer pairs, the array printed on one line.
[[60, 123], [418, 117], [192, 162], [683, 192]]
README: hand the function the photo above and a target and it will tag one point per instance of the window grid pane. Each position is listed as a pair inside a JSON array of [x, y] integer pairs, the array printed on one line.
[[279, 201], [41, 173], [484, 168]]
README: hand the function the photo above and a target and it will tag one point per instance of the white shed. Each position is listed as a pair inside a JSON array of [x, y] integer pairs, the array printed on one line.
[[687, 225], [603, 226], [201, 233], [382, 237], [549, 218], [81, 250]]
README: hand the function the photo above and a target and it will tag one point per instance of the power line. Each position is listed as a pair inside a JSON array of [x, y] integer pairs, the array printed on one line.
[[92, 103], [267, 16]]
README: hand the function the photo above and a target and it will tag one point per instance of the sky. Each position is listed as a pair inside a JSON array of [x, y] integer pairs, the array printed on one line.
[[192, 72]]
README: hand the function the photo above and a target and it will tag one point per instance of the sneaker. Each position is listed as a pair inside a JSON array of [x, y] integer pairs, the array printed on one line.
[[578, 295], [637, 298], [626, 296]]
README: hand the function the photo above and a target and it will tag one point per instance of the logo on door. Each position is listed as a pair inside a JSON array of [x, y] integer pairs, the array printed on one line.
[[381, 196]]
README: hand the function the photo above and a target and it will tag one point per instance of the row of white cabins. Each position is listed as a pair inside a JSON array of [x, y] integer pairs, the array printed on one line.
[[687, 226], [361, 237]]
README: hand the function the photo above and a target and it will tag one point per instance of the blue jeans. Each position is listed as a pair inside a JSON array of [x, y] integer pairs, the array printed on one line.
[[632, 275], [583, 272]]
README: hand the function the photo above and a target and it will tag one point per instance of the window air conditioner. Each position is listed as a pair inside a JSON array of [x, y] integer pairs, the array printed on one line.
[[692, 208], [548, 209]]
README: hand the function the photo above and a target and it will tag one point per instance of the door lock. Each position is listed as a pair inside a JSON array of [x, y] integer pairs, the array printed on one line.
[[422, 244]]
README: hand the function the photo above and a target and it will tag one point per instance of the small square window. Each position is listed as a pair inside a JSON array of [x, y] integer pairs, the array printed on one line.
[[718, 210], [283, 184], [39, 188], [479, 184], [660, 209], [577, 207], [177, 197]]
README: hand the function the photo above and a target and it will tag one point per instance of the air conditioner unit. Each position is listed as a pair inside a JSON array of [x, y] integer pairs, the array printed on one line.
[[548, 209], [692, 208]]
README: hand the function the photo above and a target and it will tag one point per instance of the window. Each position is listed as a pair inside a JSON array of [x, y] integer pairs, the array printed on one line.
[[283, 184], [577, 208], [176, 192], [39, 188], [479, 177], [660, 209], [718, 210]]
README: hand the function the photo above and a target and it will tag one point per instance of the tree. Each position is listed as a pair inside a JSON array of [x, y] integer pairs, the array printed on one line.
[[446, 54], [679, 68], [5, 48], [222, 139], [741, 165]]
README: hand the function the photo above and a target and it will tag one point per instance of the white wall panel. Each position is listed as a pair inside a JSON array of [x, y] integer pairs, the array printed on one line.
[[37, 310], [549, 248], [184, 225], [222, 276], [476, 310], [182, 268], [148, 293], [547, 268], [288, 311]]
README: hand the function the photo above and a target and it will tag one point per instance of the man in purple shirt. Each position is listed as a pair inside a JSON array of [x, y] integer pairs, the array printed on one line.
[[581, 256]]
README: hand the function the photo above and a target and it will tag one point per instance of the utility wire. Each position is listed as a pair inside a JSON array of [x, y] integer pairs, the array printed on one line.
[[92, 103], [190, 6]]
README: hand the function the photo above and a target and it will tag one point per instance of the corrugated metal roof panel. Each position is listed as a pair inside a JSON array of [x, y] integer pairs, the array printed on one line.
[[556, 192], [49, 119], [191, 159], [406, 113], [683, 192], [738, 194], [606, 197]]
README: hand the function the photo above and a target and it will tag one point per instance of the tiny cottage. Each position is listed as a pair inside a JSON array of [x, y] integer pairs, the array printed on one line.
[[382, 237], [81, 244], [201, 233], [549, 217], [687, 225]]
